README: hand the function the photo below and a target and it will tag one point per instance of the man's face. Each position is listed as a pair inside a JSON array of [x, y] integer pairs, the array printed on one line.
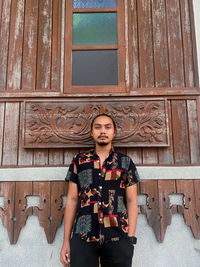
[[103, 130]]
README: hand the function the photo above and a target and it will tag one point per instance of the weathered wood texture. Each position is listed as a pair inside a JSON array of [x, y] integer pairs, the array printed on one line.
[[158, 209], [15, 211], [163, 52], [140, 123], [30, 36], [161, 33], [184, 140]]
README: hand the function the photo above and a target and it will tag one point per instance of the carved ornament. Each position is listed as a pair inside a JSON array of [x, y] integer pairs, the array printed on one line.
[[67, 123]]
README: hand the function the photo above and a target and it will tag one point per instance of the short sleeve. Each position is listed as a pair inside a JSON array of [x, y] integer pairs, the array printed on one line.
[[132, 176], [72, 173]]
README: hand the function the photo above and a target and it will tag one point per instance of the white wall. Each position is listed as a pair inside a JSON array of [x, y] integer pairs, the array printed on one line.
[[179, 249]]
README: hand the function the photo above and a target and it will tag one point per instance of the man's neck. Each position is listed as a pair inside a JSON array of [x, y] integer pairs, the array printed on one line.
[[103, 150]]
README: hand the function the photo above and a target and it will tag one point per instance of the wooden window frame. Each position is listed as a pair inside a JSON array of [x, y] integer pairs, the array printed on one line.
[[121, 86]]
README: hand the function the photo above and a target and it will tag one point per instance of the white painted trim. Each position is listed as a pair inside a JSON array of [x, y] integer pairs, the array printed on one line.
[[196, 5], [59, 173]]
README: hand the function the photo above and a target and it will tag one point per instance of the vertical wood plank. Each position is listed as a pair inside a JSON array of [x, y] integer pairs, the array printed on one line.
[[43, 189], [40, 156], [160, 43], [187, 43], [1, 6], [55, 156], [7, 190], [180, 132], [30, 45], [11, 132], [58, 189], [4, 37], [135, 154], [44, 45], [166, 155], [23, 189], [2, 109], [56, 45], [150, 155], [145, 44], [69, 153], [15, 45], [197, 199], [25, 156], [198, 114], [193, 131], [135, 48], [194, 44], [186, 187], [175, 44], [165, 187]]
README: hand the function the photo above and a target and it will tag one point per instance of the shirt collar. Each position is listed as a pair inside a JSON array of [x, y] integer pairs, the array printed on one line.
[[93, 152]]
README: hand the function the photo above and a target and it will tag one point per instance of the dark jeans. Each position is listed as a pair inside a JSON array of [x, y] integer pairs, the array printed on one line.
[[112, 254]]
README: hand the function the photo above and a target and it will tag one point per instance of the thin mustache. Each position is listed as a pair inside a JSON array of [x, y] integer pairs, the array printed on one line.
[[102, 136]]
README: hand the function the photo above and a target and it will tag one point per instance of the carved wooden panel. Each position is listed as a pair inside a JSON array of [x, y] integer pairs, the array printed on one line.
[[50, 212], [7, 190], [22, 190], [157, 208], [189, 208], [67, 123]]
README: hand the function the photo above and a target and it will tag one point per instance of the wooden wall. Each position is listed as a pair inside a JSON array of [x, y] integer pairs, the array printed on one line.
[[30, 33], [184, 139], [160, 60], [161, 45]]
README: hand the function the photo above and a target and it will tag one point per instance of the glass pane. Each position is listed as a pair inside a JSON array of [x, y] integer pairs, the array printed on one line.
[[94, 3], [94, 28], [95, 67]]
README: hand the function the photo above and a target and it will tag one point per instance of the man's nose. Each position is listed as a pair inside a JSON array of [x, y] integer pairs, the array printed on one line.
[[103, 130]]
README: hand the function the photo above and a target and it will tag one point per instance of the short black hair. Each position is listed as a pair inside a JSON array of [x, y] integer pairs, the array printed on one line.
[[106, 115]]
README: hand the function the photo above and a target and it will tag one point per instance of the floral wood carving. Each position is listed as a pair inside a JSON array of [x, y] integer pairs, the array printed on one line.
[[67, 123]]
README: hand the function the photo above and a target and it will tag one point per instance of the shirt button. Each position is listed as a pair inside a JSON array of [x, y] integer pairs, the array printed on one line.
[[99, 174], [100, 187], [99, 203], [101, 219]]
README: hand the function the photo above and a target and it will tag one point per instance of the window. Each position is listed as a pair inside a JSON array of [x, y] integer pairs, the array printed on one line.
[[94, 46]]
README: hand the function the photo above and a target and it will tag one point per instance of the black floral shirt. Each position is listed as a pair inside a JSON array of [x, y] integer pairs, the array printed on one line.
[[102, 214]]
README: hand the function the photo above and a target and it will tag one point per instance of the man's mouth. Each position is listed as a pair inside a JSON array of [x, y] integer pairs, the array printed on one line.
[[102, 137]]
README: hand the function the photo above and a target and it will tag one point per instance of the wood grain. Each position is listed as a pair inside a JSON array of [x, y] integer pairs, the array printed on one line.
[[44, 45], [4, 37], [30, 45], [145, 44], [175, 44], [11, 134], [15, 45], [180, 132]]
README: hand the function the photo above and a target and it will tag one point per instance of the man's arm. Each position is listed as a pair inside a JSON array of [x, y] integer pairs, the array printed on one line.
[[70, 213], [132, 207]]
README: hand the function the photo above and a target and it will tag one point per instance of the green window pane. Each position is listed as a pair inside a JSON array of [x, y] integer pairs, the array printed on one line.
[[94, 3], [94, 29], [95, 67]]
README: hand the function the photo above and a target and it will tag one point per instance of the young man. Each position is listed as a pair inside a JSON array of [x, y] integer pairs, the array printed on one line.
[[103, 186]]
